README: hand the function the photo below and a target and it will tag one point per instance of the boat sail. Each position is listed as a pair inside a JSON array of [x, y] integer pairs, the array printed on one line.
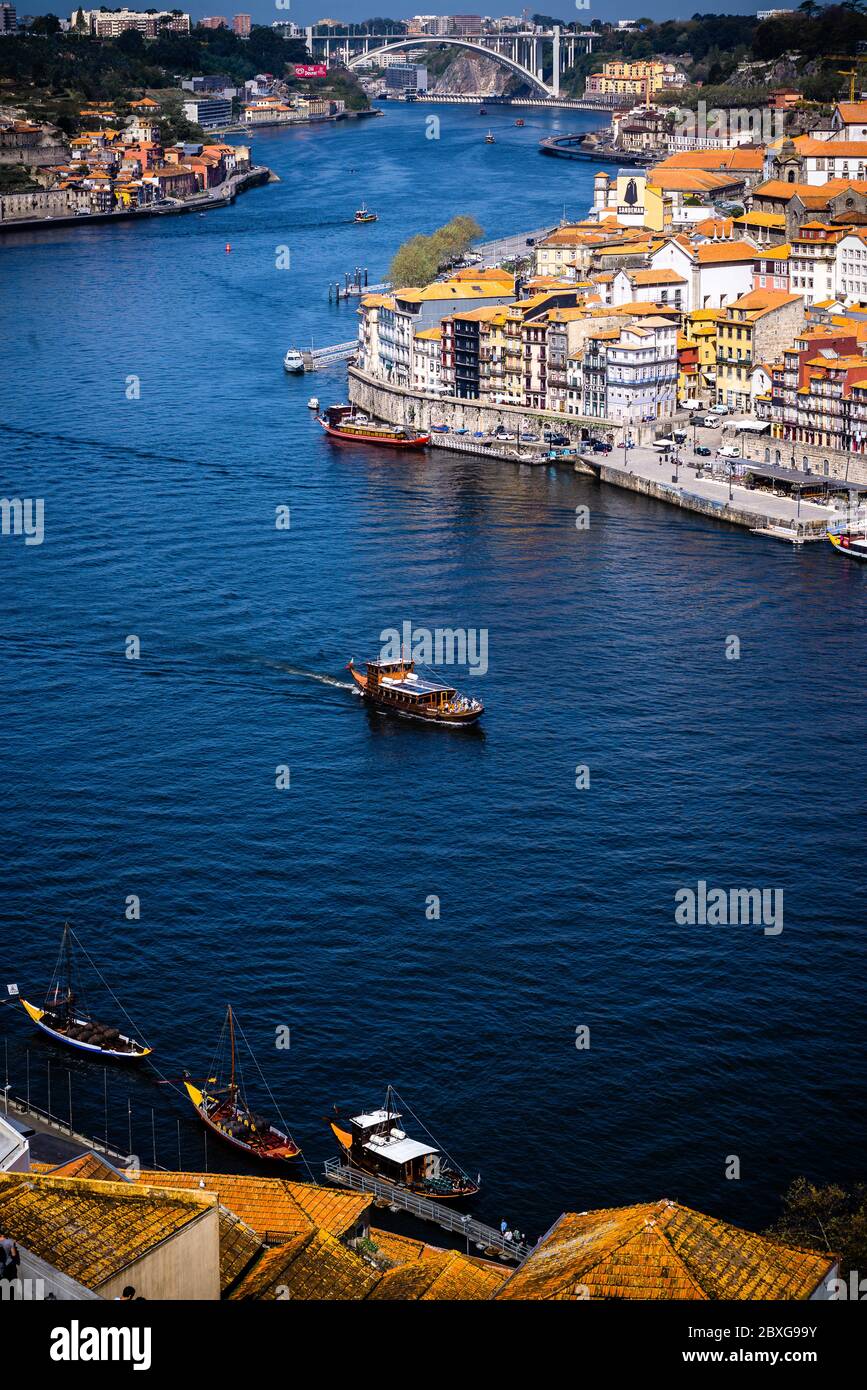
[[66, 1018], [375, 1142], [223, 1107]]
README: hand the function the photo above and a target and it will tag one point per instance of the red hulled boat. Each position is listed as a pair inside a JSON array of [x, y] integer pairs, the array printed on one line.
[[223, 1108], [343, 422]]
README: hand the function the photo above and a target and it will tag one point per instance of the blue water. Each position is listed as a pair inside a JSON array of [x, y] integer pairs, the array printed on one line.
[[306, 907]]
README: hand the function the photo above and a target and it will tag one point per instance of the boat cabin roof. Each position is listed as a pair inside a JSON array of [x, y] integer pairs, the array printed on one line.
[[399, 1150], [418, 686], [374, 1118]]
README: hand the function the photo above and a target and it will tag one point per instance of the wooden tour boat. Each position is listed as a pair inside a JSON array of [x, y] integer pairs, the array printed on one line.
[[394, 687], [343, 422], [850, 543], [223, 1108], [65, 1017], [376, 1143], [363, 215]]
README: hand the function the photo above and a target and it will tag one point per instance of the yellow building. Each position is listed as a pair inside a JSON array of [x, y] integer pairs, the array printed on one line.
[[696, 356], [753, 330], [641, 79]]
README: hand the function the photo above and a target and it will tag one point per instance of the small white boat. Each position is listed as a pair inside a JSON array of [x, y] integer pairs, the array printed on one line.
[[293, 361], [313, 403]]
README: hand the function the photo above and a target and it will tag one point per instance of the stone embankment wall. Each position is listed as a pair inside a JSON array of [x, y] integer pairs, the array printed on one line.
[[401, 406], [851, 467]]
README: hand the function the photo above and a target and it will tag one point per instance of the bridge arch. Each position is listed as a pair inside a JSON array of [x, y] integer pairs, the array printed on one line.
[[435, 40]]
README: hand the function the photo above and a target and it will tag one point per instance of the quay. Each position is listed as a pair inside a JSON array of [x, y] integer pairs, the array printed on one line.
[[690, 486], [485, 1238], [574, 147], [51, 1139], [220, 197], [316, 358]]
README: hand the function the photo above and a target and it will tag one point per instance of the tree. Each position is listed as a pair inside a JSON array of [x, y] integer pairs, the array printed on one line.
[[420, 259], [825, 1218]]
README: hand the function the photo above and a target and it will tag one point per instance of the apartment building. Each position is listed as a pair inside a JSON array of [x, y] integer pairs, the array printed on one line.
[[645, 78], [627, 374], [754, 330], [813, 261], [771, 268], [108, 24], [426, 360], [850, 280]]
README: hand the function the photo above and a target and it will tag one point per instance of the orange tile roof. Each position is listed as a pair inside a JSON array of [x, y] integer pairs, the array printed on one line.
[[316, 1265], [748, 161], [723, 252], [688, 180], [655, 277], [833, 149], [88, 1165], [444, 1275], [715, 226], [92, 1230], [274, 1207], [852, 112], [662, 1250]]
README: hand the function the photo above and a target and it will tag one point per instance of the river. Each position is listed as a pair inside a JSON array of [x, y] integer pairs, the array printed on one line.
[[144, 401]]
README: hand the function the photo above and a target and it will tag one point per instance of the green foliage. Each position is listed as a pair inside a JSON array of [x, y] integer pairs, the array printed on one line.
[[420, 259], [825, 1218], [106, 69]]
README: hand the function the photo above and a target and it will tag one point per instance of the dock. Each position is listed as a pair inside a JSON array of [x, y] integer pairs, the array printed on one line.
[[486, 1239], [317, 358]]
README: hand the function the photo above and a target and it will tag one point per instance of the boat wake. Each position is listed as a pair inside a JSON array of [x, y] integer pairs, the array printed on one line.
[[314, 676]]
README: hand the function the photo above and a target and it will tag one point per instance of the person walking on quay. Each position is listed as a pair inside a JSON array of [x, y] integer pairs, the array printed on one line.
[[10, 1259]]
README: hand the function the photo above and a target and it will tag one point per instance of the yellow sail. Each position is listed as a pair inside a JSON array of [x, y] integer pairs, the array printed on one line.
[[194, 1094], [341, 1135]]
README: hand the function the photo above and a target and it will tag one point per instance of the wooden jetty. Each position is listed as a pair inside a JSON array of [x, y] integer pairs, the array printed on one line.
[[486, 1239]]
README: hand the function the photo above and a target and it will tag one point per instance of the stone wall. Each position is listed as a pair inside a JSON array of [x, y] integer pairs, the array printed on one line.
[[401, 406], [851, 467]]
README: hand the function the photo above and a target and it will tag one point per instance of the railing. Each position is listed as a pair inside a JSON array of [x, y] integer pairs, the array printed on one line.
[[486, 1237]]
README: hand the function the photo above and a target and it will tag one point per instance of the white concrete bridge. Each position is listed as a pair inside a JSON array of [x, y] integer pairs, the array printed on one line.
[[527, 54]]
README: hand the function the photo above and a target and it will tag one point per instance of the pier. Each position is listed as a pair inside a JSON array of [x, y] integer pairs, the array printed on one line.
[[316, 358], [485, 1238]]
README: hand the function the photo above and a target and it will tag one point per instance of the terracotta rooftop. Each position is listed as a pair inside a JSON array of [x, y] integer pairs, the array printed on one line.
[[661, 1250], [92, 1230], [315, 1265], [273, 1207]]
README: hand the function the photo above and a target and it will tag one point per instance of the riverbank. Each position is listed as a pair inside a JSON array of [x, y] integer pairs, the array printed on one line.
[[271, 126], [219, 197], [688, 486]]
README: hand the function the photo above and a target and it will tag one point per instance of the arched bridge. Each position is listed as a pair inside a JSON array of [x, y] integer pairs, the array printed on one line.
[[525, 54]]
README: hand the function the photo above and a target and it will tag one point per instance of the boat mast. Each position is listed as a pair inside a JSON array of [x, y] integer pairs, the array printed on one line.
[[66, 953], [232, 1048]]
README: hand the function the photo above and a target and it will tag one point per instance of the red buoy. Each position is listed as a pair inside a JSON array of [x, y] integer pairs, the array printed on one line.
[[228, 247]]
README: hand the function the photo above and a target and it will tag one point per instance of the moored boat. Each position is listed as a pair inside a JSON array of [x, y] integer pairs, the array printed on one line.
[[519, 121], [850, 542], [224, 1109], [313, 403], [376, 1143], [394, 687], [66, 1018], [293, 361], [343, 422]]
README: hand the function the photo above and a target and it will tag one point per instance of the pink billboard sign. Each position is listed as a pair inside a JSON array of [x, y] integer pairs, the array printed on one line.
[[310, 70]]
